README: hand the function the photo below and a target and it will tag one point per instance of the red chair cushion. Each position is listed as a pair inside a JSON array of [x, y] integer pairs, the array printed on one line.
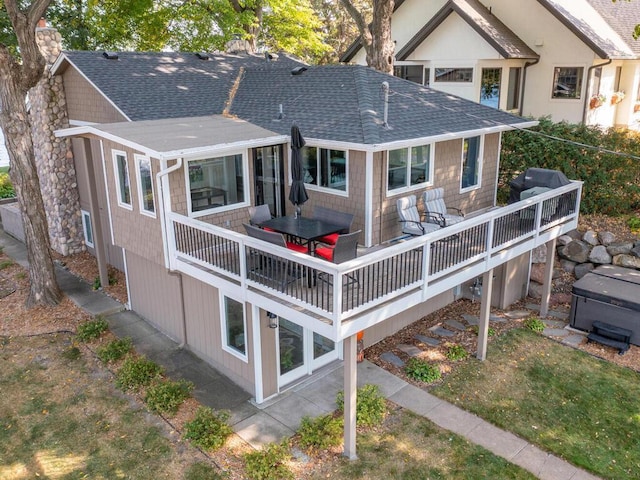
[[325, 252], [267, 229], [329, 239], [296, 247]]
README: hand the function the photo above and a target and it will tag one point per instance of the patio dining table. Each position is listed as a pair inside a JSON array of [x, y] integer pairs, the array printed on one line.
[[304, 229]]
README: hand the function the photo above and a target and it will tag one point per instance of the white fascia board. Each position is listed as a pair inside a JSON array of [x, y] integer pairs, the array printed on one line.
[[61, 58], [172, 154]]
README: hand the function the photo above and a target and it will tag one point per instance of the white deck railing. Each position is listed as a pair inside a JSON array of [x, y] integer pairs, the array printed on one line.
[[373, 286]]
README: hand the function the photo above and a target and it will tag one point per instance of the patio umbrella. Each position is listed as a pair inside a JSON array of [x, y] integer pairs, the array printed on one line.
[[298, 194]]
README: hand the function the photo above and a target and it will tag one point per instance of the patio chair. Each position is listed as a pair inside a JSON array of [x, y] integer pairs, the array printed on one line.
[[412, 221], [271, 269], [346, 248], [332, 216], [435, 207], [259, 214]]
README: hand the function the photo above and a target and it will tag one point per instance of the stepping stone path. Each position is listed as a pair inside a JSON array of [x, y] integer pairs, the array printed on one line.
[[410, 350], [496, 319], [455, 324], [555, 332], [392, 358], [441, 331], [551, 313], [554, 323], [573, 340], [516, 314], [470, 319], [432, 342]]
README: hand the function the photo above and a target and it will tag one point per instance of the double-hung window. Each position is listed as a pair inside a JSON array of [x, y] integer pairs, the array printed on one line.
[[471, 163], [409, 167], [234, 327], [216, 183], [145, 186], [121, 169], [324, 167]]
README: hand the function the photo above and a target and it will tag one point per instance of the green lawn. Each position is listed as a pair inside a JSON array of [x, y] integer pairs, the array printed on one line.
[[581, 408], [4, 169]]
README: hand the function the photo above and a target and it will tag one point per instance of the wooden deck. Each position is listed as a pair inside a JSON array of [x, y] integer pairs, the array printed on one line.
[[338, 299]]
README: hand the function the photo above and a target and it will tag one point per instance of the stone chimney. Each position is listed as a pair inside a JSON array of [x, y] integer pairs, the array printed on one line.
[[54, 157], [237, 45]]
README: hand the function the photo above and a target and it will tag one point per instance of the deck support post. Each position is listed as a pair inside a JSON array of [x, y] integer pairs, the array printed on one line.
[[485, 313], [350, 393], [548, 278]]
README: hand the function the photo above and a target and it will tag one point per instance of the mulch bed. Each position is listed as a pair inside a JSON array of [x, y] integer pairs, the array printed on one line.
[[7, 287]]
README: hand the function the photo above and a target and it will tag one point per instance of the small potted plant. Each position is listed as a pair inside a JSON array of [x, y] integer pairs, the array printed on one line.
[[617, 97], [596, 101], [636, 106]]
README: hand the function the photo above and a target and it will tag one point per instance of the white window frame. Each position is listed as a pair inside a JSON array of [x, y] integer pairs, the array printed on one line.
[[417, 186], [224, 331], [479, 163], [138, 161], [225, 208], [116, 173], [87, 228], [454, 67], [580, 92], [319, 188]]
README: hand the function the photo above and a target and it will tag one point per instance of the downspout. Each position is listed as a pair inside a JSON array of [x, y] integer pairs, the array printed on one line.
[[165, 204], [524, 82], [585, 103]]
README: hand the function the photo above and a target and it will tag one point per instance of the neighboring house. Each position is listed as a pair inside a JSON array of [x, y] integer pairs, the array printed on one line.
[[4, 155], [152, 131], [570, 59]]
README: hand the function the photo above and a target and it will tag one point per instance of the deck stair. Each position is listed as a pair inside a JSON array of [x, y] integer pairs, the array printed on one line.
[[610, 335]]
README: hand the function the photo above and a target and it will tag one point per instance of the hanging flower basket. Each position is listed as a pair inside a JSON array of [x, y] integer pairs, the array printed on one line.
[[617, 97], [596, 101], [636, 107]]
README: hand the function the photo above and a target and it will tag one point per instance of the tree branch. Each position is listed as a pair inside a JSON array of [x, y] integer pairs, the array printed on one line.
[[357, 17]]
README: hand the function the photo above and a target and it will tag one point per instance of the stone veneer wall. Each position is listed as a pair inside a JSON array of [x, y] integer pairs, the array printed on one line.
[[54, 157]]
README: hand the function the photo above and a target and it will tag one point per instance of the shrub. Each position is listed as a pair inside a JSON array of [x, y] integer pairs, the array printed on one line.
[[137, 372], [475, 329], [269, 463], [456, 352], [166, 397], [422, 370], [6, 188], [534, 324], [209, 429], [371, 406], [634, 223], [92, 329], [115, 350], [320, 432]]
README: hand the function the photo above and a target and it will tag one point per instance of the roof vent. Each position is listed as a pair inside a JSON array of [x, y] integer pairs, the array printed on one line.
[[298, 70], [202, 55], [270, 56], [110, 55]]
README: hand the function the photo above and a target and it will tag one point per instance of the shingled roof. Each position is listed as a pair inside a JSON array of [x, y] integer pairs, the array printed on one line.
[[622, 17], [339, 103]]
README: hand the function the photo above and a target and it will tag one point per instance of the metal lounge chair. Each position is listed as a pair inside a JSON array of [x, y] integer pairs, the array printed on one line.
[[412, 221], [435, 207]]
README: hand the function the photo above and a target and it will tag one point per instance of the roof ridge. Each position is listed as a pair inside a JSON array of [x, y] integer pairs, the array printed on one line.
[[368, 117]]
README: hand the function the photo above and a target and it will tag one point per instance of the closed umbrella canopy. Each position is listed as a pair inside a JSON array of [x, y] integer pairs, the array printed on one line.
[[298, 194]]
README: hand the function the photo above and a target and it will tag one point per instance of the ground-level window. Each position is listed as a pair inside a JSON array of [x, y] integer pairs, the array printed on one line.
[[145, 185], [234, 328], [121, 169], [216, 182], [412, 73], [513, 90], [87, 228], [453, 75], [409, 167], [324, 167], [490, 87], [567, 82], [471, 163]]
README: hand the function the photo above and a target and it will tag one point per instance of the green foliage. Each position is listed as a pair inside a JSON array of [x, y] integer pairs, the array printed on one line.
[[115, 350], [72, 353], [167, 396], [534, 324], [209, 429], [6, 264], [92, 329], [202, 471], [634, 223], [269, 463], [490, 332], [137, 372], [371, 406], [423, 371], [456, 352], [611, 182], [320, 432], [6, 187]]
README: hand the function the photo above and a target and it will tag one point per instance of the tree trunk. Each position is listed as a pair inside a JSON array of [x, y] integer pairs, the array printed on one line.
[[16, 78]]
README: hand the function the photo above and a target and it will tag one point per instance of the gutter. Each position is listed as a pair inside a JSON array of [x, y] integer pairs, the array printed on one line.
[[524, 82], [166, 206], [585, 103]]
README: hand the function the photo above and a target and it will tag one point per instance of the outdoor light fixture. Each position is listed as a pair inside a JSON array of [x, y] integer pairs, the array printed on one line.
[[273, 320]]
